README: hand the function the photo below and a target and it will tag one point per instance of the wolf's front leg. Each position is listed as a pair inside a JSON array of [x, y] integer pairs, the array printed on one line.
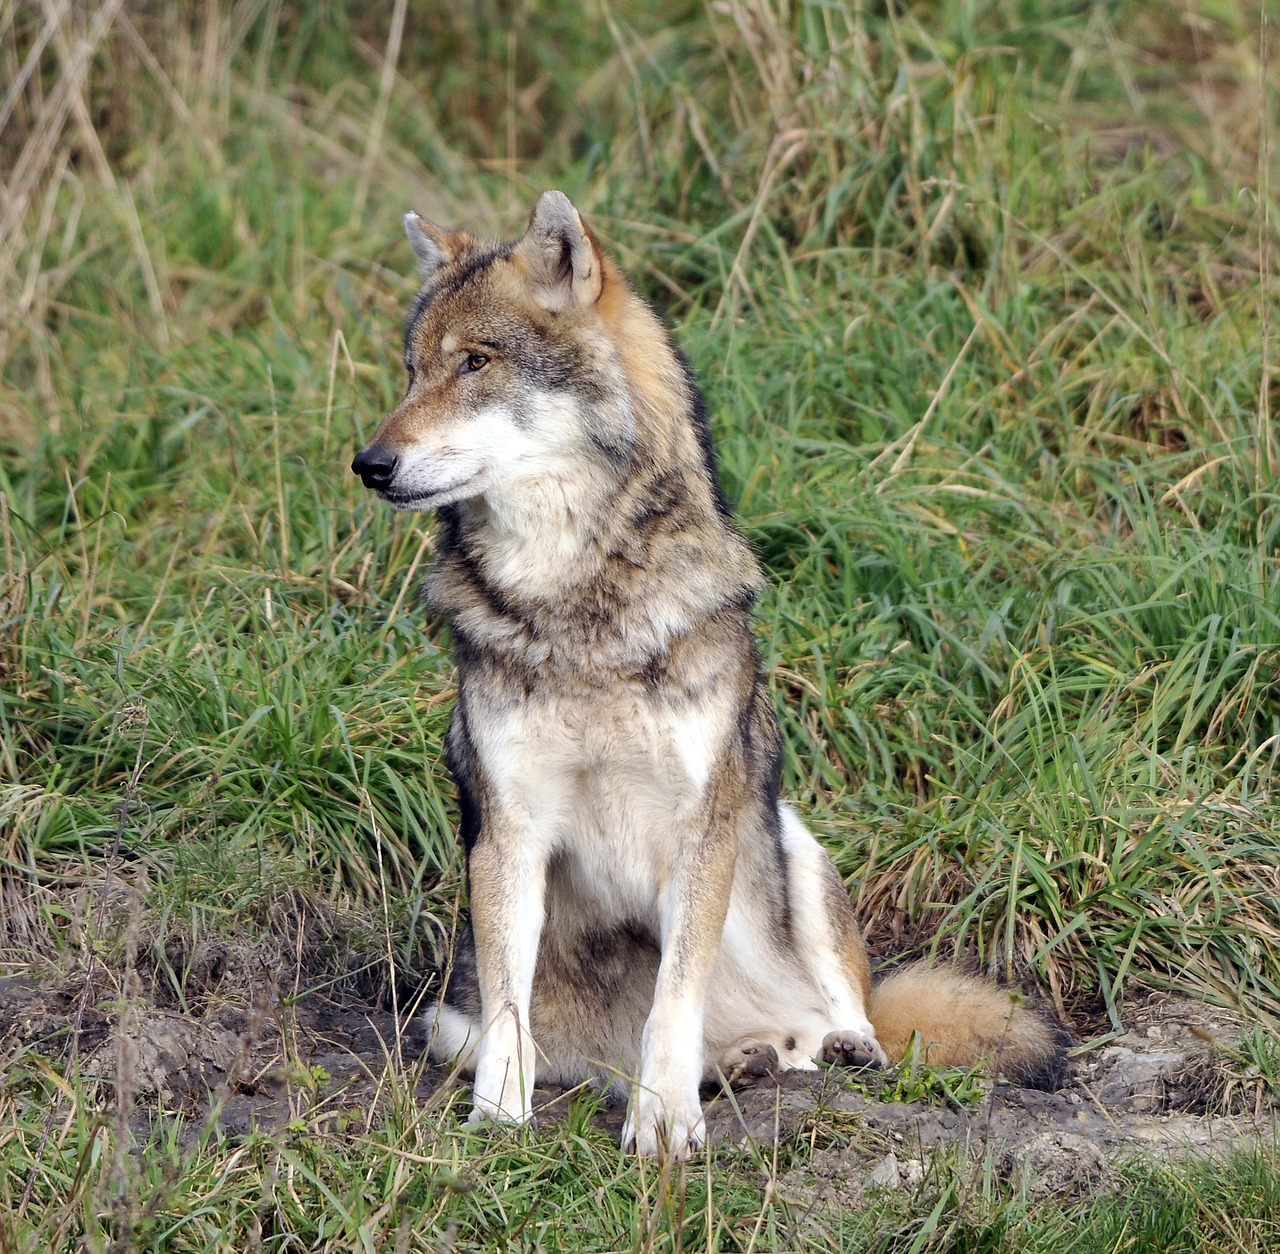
[[508, 887], [666, 1115]]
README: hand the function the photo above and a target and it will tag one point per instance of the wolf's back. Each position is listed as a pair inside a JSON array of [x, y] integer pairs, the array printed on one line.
[[964, 1021]]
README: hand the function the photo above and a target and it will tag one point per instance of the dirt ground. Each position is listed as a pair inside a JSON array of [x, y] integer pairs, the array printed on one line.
[[1162, 1086]]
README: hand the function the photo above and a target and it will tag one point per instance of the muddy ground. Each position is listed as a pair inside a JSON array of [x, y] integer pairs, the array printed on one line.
[[1164, 1085]]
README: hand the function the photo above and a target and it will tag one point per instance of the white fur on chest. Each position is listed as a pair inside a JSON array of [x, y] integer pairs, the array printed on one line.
[[606, 789], [541, 488]]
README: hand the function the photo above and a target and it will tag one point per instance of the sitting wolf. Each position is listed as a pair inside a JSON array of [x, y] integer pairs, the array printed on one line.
[[642, 904]]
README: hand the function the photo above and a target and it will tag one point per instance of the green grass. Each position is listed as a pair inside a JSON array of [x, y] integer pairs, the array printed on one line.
[[405, 1177], [983, 300]]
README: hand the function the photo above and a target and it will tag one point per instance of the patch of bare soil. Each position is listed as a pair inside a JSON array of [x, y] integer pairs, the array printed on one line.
[[1149, 1089], [1155, 1089], [242, 1068]]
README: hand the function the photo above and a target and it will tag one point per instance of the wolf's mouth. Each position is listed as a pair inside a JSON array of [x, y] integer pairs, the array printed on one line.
[[428, 500]]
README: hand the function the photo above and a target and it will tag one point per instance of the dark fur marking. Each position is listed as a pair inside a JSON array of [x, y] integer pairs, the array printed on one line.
[[617, 453], [761, 739], [654, 673], [556, 366], [606, 958], [457, 755], [514, 679], [666, 493], [781, 882], [463, 989], [452, 280], [702, 428], [1050, 1074], [420, 304], [462, 272], [496, 602]]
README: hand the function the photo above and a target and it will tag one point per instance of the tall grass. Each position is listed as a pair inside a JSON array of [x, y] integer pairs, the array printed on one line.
[[983, 300]]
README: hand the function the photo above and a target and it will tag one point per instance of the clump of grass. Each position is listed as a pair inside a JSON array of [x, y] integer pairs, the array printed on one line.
[[1227, 1077]]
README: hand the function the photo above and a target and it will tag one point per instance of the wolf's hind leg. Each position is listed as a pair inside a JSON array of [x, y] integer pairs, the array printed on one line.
[[829, 943]]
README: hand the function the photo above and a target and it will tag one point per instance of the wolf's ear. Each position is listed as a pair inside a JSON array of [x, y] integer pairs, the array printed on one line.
[[432, 245], [560, 255]]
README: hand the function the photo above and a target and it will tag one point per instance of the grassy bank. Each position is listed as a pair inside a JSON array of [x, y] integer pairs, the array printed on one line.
[[983, 302]]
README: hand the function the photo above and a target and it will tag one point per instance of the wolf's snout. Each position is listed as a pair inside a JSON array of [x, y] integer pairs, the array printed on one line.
[[376, 466]]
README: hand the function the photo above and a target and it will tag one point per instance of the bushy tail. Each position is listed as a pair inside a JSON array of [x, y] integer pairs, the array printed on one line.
[[966, 1021]]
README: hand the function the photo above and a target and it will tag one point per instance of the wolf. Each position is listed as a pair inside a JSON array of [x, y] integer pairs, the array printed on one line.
[[645, 910]]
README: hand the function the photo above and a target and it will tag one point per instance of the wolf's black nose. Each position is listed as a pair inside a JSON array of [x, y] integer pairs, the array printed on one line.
[[376, 466]]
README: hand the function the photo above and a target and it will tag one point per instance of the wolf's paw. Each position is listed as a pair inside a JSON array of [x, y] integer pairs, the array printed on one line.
[[747, 1061], [509, 1110], [853, 1049], [658, 1129], [503, 1084]]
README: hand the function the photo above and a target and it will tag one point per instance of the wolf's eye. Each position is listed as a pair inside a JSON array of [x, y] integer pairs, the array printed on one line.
[[474, 362]]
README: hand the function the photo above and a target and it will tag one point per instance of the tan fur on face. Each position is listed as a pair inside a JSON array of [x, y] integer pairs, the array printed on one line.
[[653, 370]]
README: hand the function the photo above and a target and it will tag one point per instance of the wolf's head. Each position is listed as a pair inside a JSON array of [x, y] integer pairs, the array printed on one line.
[[530, 364]]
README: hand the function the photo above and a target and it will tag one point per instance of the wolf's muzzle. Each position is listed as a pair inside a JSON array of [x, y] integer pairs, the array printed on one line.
[[376, 466]]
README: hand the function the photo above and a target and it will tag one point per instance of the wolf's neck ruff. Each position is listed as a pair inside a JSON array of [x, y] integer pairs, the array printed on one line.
[[607, 573]]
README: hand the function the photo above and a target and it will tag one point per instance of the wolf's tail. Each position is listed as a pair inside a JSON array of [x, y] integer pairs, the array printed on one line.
[[966, 1021]]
